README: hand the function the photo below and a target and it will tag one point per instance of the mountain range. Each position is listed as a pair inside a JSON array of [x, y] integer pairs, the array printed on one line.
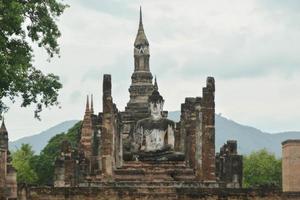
[[40, 140], [249, 138]]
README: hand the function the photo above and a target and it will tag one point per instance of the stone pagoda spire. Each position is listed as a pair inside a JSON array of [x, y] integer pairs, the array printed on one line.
[[141, 48], [3, 136], [155, 84], [8, 174], [141, 79], [3, 128], [87, 105], [92, 104], [87, 130]]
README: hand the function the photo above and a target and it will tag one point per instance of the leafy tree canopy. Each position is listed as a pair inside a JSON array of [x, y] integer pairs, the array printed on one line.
[[262, 169], [21, 162], [22, 21]]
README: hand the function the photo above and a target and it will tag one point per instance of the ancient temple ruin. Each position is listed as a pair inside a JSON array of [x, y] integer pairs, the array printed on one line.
[[141, 146], [8, 175]]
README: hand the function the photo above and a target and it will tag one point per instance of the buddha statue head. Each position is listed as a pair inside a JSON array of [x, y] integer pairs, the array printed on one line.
[[156, 103]]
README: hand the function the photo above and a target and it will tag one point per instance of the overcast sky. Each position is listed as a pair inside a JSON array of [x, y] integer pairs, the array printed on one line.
[[250, 47]]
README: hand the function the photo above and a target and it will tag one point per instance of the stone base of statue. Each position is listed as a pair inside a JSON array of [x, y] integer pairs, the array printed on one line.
[[165, 154], [159, 156]]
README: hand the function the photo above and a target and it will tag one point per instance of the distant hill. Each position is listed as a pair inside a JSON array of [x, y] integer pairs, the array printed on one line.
[[39, 141], [249, 138]]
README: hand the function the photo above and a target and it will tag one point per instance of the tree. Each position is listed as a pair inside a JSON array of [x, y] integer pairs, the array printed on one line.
[[43, 167], [21, 162], [22, 21], [262, 169], [39, 169], [43, 164]]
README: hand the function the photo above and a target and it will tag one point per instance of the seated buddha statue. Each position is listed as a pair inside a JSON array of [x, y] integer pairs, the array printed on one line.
[[153, 137]]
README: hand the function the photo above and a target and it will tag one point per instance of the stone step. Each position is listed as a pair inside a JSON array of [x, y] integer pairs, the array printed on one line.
[[152, 164], [159, 174], [145, 185], [154, 171], [153, 178], [157, 196], [158, 171]]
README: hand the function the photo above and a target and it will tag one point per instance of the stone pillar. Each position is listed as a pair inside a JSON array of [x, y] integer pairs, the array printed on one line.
[[208, 129], [182, 130], [107, 137], [59, 173], [178, 146], [8, 176], [118, 148], [70, 172], [291, 166], [3, 156], [22, 192], [191, 131], [65, 167], [3, 159], [11, 182]]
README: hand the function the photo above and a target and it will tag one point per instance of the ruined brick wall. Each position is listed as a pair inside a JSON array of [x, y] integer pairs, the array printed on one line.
[[229, 165], [291, 165], [197, 132], [157, 193]]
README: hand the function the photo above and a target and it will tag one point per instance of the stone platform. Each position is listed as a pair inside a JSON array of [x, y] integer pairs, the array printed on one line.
[[154, 171], [151, 191]]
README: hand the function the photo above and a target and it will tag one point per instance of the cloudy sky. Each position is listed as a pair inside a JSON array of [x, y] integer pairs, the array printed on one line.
[[251, 47]]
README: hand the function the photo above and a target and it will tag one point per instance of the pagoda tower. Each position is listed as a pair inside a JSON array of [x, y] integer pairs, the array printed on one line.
[[141, 80], [141, 83]]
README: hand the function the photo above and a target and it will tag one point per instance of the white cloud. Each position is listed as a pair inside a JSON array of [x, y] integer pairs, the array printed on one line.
[[250, 47]]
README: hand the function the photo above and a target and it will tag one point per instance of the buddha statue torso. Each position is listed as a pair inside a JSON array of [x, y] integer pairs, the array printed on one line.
[[154, 135]]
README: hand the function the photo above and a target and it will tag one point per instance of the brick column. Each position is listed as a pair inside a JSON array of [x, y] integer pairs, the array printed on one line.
[[107, 135], [291, 166], [3, 169], [208, 129], [191, 131]]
